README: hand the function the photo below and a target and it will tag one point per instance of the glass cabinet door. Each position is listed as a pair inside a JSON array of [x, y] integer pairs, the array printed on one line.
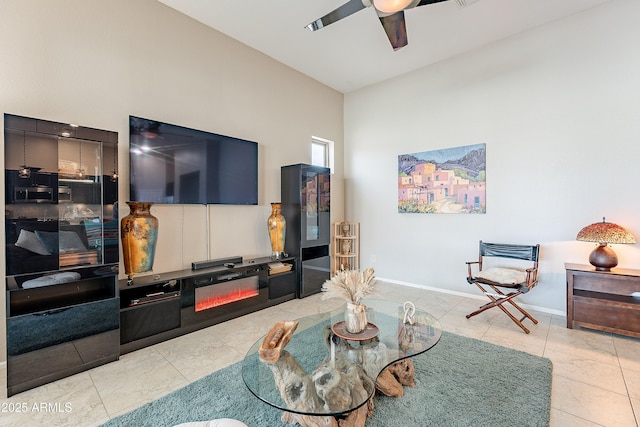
[[315, 204], [80, 211], [110, 222], [310, 204], [59, 200]]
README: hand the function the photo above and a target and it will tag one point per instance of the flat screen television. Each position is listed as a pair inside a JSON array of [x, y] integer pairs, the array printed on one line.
[[174, 164]]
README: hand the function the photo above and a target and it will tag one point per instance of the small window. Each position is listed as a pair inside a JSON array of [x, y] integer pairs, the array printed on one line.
[[322, 152], [319, 153]]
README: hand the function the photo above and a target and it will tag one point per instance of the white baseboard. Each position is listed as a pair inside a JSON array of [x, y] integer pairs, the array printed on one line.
[[466, 295]]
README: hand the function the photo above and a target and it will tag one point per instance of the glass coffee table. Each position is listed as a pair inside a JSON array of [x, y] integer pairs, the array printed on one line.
[[324, 371]]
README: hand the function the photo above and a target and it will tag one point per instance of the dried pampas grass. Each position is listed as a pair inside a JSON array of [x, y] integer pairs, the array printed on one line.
[[350, 285]]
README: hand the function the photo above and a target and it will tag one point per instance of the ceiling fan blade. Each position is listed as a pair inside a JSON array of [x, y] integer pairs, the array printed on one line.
[[396, 29], [426, 2], [349, 8], [463, 3]]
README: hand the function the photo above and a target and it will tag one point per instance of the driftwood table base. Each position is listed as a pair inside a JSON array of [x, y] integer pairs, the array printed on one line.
[[391, 380], [390, 383], [336, 384], [356, 418]]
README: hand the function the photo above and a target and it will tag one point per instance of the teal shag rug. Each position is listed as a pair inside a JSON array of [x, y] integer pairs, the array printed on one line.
[[460, 382]]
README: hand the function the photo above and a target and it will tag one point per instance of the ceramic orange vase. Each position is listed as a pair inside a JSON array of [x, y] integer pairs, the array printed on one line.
[[277, 226], [139, 235]]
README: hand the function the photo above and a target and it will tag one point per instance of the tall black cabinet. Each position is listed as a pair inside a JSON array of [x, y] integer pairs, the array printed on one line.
[[61, 236], [306, 197]]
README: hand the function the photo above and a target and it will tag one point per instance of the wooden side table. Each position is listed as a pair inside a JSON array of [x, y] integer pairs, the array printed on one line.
[[602, 300]]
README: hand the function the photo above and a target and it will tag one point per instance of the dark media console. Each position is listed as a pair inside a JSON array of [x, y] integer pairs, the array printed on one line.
[[159, 307]]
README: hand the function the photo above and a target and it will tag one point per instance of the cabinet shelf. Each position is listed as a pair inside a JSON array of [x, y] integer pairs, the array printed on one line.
[[79, 181], [346, 250], [143, 295], [282, 273], [607, 298], [55, 297]]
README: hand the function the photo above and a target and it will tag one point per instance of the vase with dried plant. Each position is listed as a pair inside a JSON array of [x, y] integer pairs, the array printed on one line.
[[352, 286]]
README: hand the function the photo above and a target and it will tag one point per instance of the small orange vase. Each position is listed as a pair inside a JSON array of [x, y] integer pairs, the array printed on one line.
[[139, 235], [277, 226]]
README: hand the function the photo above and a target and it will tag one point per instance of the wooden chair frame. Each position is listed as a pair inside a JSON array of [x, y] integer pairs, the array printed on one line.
[[498, 297]]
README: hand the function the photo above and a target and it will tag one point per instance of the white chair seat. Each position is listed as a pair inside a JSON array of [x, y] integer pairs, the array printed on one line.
[[507, 276]]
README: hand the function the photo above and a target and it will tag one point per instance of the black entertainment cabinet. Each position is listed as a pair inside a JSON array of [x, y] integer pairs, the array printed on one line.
[[159, 307], [61, 250], [305, 192]]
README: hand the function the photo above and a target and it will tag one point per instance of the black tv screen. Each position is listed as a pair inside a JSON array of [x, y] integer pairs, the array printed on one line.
[[175, 164]]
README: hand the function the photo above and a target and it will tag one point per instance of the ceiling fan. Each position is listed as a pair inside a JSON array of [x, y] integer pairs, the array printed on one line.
[[390, 13]]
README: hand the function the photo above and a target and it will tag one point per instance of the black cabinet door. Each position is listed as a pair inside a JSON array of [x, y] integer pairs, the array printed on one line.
[[306, 205], [53, 344]]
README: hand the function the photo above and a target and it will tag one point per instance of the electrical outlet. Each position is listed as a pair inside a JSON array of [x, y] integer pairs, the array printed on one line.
[[373, 258]]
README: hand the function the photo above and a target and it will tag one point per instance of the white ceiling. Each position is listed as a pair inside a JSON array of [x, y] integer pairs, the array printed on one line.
[[354, 52]]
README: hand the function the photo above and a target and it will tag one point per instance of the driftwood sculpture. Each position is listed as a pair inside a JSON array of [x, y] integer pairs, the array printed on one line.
[[337, 384], [277, 338]]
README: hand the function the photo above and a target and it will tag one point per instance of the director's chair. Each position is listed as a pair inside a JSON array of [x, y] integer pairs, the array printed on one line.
[[516, 281]]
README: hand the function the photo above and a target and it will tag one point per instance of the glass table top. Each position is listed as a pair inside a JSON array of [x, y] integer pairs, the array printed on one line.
[[320, 373]]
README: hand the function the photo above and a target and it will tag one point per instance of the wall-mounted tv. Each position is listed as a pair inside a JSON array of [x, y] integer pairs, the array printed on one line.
[[175, 164]]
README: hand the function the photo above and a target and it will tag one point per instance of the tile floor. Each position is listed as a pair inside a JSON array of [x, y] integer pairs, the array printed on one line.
[[596, 376]]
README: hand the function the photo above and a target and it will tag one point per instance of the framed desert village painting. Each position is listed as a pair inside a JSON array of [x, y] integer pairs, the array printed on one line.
[[451, 180]]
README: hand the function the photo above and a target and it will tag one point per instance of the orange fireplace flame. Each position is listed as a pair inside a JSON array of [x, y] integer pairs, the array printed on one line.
[[212, 301]]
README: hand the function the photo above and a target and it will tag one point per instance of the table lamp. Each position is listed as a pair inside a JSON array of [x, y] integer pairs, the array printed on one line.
[[603, 258]]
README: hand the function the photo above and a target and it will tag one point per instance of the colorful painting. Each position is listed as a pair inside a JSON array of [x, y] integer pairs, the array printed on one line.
[[450, 180]]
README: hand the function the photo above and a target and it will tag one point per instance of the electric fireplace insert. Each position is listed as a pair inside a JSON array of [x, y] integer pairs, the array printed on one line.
[[221, 294]]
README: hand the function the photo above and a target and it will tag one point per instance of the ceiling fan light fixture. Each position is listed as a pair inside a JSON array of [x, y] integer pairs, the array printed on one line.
[[391, 6]]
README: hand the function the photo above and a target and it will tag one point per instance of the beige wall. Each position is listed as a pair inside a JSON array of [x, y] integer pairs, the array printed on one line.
[[94, 62], [557, 108]]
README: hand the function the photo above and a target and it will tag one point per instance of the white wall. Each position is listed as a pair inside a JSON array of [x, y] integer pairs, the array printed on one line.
[[558, 109], [95, 62]]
